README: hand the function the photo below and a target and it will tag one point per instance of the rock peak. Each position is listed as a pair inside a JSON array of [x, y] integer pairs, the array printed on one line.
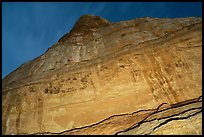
[[88, 18], [85, 24]]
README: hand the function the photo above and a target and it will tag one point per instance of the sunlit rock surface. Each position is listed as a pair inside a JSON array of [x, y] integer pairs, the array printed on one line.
[[142, 76]]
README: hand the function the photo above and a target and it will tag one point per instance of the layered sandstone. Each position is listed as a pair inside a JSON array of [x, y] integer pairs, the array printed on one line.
[[142, 76]]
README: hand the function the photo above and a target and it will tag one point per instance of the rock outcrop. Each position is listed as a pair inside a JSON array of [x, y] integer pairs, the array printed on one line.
[[142, 76]]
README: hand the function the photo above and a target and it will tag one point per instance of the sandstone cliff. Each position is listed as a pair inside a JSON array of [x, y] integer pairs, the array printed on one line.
[[142, 76]]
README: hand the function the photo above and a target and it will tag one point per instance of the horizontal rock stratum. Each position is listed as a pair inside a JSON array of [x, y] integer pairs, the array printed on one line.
[[142, 76]]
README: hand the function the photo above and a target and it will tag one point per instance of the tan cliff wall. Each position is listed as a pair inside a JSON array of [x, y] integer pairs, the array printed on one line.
[[103, 71]]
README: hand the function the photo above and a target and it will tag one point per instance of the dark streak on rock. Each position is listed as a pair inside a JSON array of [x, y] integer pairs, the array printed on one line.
[[18, 109]]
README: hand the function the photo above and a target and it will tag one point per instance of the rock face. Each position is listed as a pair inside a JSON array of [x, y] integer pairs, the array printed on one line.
[[142, 76]]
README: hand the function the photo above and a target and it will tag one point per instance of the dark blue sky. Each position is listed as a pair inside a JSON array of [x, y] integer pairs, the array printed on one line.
[[29, 29]]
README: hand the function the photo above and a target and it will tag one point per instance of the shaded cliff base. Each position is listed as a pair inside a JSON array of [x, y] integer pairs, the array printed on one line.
[[180, 118]]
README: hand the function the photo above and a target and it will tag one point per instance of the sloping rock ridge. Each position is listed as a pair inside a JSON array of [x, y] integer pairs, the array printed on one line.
[[142, 76]]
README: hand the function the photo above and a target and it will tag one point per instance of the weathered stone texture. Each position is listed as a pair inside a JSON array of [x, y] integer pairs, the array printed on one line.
[[142, 76]]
